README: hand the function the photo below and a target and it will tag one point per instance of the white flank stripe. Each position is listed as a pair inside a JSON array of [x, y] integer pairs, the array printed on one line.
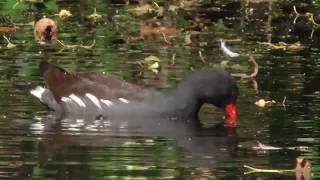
[[77, 100], [107, 102], [123, 100], [38, 91], [65, 99], [227, 51], [94, 99]]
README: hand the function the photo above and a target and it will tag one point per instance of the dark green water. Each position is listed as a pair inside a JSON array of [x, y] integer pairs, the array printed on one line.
[[34, 145]]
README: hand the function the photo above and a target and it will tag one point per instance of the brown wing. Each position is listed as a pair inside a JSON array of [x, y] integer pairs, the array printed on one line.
[[62, 83]]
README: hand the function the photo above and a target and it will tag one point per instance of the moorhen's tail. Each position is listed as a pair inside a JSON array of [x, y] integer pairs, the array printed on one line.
[[43, 94]]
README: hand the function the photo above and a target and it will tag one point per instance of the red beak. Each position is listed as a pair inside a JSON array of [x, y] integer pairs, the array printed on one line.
[[232, 115]]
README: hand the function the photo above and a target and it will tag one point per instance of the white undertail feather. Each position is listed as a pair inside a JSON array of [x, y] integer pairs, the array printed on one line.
[[123, 100], [227, 51], [37, 92], [94, 99], [106, 102], [77, 100], [46, 97], [65, 99]]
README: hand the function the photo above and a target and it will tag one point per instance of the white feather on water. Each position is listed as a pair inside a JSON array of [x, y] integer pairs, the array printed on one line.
[[227, 52]]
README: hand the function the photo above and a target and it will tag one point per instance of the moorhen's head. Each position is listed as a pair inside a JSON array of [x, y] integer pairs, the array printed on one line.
[[214, 87]]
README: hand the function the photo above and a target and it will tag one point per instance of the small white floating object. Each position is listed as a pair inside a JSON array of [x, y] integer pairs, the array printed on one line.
[[262, 103], [227, 52]]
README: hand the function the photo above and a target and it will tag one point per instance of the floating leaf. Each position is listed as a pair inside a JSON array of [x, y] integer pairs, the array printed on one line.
[[64, 13], [155, 71], [154, 66], [10, 45], [151, 59]]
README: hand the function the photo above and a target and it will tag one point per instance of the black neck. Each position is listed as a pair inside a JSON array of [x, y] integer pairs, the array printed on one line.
[[177, 102]]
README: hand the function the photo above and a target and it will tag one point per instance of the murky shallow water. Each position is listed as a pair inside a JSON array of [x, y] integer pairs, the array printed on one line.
[[36, 145]]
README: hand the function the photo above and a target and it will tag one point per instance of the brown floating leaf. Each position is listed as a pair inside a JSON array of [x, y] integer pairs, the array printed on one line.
[[150, 30]]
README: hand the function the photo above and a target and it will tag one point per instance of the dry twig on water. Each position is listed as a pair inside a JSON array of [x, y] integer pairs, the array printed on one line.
[[165, 39], [302, 170], [201, 57], [254, 71], [173, 62], [255, 170], [309, 16], [75, 46]]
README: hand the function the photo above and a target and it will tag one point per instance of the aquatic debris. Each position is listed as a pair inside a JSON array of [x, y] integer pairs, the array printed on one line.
[[141, 10], [149, 30], [94, 16], [75, 46], [63, 14], [147, 9], [189, 5], [265, 147], [254, 73], [187, 39], [45, 31], [254, 170], [262, 103], [173, 8], [309, 16], [227, 52], [302, 170], [9, 29], [284, 102], [153, 63], [201, 57], [9, 45], [261, 146], [284, 46], [151, 59]]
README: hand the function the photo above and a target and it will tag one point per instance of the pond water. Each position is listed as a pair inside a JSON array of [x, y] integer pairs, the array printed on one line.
[[35, 145]]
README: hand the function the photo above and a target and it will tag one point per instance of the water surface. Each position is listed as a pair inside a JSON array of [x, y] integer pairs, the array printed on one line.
[[34, 144]]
